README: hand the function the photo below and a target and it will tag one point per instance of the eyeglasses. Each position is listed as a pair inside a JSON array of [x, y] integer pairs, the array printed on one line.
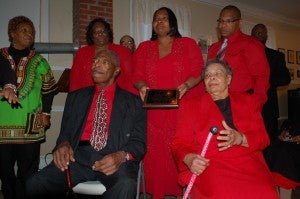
[[100, 32], [216, 74], [227, 21]]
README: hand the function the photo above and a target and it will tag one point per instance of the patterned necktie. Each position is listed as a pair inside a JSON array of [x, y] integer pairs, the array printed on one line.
[[100, 132], [221, 52]]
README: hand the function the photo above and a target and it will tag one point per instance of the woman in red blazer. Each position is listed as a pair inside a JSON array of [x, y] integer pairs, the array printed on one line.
[[233, 166]]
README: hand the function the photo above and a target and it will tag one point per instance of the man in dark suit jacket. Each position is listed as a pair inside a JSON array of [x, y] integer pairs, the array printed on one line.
[[116, 164], [279, 76]]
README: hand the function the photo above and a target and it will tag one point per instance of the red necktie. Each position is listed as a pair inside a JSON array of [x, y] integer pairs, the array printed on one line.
[[100, 129]]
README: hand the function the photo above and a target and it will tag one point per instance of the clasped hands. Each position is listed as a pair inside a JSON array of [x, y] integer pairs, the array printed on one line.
[[108, 165]]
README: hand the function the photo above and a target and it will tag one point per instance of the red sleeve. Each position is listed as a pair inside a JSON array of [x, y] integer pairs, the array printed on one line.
[[195, 58], [259, 70], [81, 75], [139, 61], [183, 141], [126, 64], [248, 120], [257, 135]]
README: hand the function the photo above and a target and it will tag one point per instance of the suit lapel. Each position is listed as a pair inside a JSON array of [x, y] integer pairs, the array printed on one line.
[[118, 113]]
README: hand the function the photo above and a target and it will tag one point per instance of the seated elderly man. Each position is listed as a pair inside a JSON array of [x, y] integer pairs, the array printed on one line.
[[103, 137]]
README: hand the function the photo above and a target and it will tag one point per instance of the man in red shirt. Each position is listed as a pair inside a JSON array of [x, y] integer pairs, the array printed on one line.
[[244, 54], [103, 137]]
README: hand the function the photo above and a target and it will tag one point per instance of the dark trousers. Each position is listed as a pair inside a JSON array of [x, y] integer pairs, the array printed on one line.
[[50, 182], [27, 157]]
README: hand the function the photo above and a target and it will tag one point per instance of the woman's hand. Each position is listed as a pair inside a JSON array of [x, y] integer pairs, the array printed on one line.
[[9, 94], [46, 119], [196, 163], [142, 92], [141, 86], [230, 137], [183, 88]]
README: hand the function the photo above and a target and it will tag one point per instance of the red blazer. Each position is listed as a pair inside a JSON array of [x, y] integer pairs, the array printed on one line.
[[232, 173]]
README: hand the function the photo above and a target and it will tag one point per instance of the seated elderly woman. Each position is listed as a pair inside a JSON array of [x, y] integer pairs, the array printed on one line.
[[233, 166]]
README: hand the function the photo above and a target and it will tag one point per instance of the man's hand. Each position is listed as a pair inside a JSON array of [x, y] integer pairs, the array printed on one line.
[[110, 163], [63, 155]]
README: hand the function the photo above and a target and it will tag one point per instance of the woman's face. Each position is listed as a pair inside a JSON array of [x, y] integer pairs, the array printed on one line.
[[217, 81], [23, 36], [161, 23], [128, 43], [100, 35]]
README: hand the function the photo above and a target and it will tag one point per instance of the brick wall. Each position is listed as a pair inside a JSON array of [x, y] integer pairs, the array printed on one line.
[[87, 11]]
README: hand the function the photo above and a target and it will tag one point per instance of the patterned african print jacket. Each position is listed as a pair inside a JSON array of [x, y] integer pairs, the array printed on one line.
[[36, 88]]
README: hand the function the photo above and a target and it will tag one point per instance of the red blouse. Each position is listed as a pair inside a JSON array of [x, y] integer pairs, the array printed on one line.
[[81, 75]]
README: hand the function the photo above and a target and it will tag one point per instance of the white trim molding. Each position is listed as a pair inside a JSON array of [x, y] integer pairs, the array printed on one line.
[[253, 11]]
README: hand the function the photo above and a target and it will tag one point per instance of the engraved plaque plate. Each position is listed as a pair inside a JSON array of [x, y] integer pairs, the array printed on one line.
[[161, 98]]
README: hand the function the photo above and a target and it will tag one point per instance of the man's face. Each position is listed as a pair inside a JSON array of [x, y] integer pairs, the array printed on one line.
[[104, 69], [228, 23], [260, 33]]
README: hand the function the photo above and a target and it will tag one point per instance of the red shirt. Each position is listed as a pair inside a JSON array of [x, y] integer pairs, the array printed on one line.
[[109, 94], [246, 56], [81, 75]]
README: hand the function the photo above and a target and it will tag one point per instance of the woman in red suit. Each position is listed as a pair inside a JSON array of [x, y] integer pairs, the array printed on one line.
[[167, 61], [234, 166], [99, 37]]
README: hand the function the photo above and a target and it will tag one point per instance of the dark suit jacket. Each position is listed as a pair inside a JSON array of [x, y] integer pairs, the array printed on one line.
[[279, 76], [127, 130]]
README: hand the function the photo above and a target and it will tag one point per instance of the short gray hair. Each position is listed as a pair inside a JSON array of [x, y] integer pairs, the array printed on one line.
[[111, 54], [217, 61]]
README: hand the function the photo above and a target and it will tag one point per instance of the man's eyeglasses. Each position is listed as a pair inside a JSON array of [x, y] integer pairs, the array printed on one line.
[[227, 21]]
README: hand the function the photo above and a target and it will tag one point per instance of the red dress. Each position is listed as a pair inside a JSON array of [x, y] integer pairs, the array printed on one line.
[[238, 172], [81, 75], [184, 61]]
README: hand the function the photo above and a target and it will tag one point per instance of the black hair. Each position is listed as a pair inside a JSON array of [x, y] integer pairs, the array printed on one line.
[[233, 8], [89, 30], [172, 21]]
